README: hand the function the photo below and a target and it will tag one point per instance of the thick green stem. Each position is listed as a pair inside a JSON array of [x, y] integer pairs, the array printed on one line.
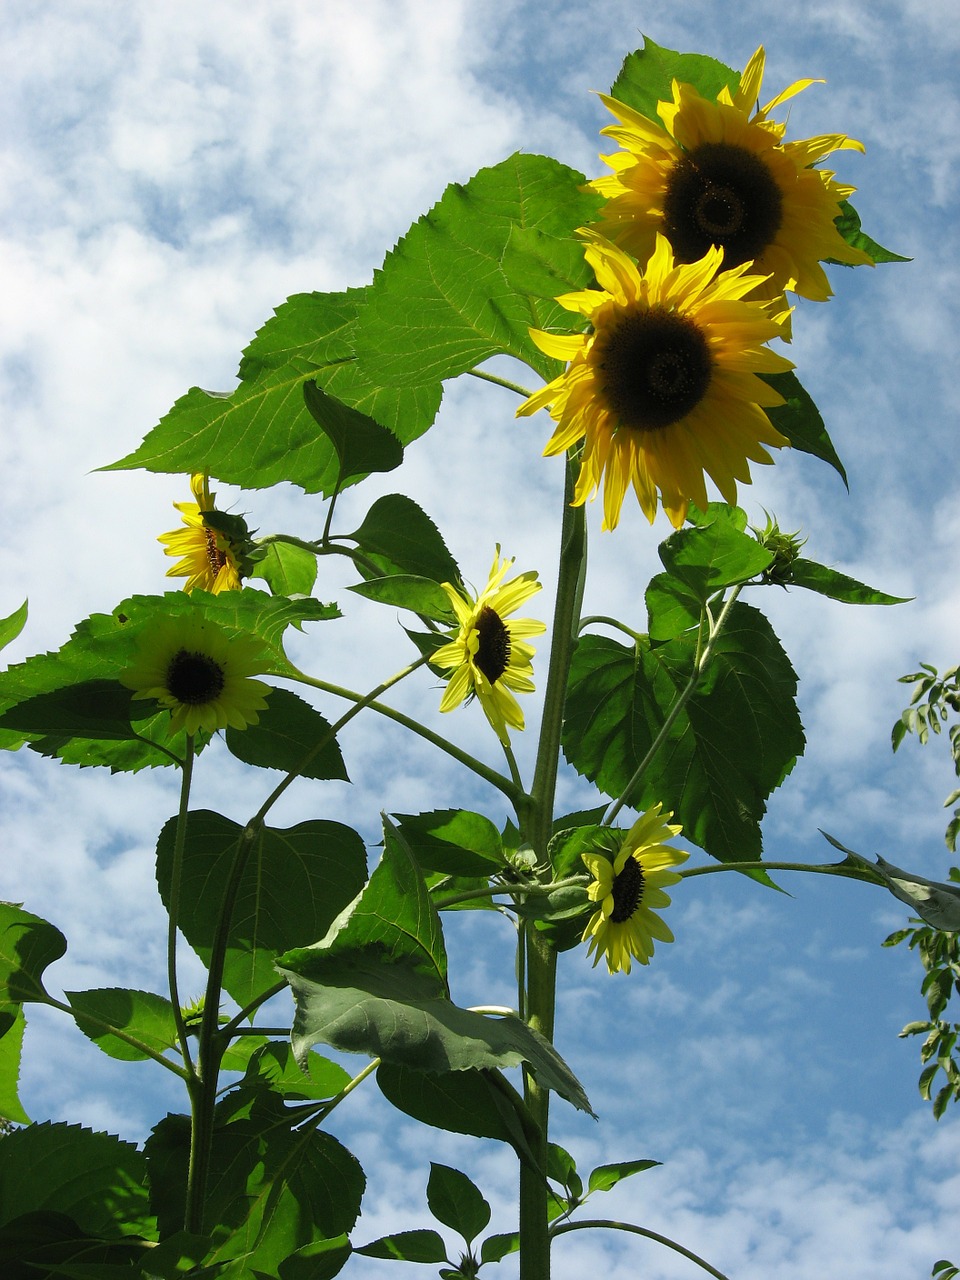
[[538, 1001]]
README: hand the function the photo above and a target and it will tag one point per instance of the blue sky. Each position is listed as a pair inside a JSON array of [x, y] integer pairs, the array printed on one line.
[[170, 174]]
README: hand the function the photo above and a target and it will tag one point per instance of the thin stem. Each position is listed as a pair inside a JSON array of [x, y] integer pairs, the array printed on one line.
[[534, 889], [348, 1088], [173, 911], [500, 382], [825, 869], [586, 1223], [101, 1024], [703, 656], [601, 619]]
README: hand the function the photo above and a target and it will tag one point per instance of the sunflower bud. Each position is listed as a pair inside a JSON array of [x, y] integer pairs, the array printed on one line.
[[785, 548]]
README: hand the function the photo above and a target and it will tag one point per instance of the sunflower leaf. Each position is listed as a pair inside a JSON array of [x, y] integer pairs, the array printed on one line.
[[407, 591], [287, 736], [456, 1201], [287, 569], [733, 743], [396, 529], [12, 1026], [423, 1245], [11, 627], [836, 585], [473, 275], [709, 557], [453, 841], [800, 421], [362, 445], [848, 224], [647, 76], [142, 1014], [292, 884], [28, 945]]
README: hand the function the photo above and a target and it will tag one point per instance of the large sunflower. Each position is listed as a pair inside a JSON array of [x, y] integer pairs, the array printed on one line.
[[209, 559], [715, 175], [664, 386], [624, 926], [200, 674], [489, 656]]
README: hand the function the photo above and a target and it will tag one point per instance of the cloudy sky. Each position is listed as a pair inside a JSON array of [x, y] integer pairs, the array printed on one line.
[[172, 172]]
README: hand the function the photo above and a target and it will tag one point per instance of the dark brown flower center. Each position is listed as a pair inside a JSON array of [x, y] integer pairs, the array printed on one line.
[[721, 194], [656, 368], [493, 652], [194, 678], [627, 891]]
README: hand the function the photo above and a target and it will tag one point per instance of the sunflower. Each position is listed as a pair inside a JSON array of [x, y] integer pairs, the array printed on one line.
[[210, 561], [200, 674], [624, 925], [489, 656], [664, 386], [715, 175]]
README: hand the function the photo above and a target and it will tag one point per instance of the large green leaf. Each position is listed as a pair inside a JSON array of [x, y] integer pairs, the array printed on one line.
[[732, 744], [475, 273], [292, 736], [275, 1066], [45, 1245], [12, 1025], [647, 75], [273, 1189], [402, 538], [292, 884], [28, 945], [94, 1178], [707, 558], [453, 841], [144, 1016]]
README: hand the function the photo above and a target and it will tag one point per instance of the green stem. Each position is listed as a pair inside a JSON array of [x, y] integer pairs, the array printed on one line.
[[173, 909], [538, 1001], [639, 1231], [534, 889], [91, 1020], [601, 619], [824, 868], [703, 656], [500, 382]]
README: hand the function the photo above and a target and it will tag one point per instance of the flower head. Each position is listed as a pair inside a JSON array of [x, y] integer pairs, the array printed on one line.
[[716, 176], [489, 656], [209, 558], [624, 925], [664, 386], [200, 674]]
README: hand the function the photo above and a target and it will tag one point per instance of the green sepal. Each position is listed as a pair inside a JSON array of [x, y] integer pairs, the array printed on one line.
[[292, 884], [848, 224], [472, 276], [362, 445], [28, 945], [287, 736], [800, 421], [838, 586], [733, 743], [143, 1015], [647, 76], [401, 538]]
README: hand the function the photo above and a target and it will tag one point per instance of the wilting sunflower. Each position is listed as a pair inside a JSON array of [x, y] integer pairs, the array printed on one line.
[[624, 926], [715, 175], [200, 674], [664, 387], [489, 656], [210, 561]]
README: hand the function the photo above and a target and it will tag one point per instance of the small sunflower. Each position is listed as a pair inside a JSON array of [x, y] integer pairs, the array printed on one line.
[[210, 561], [200, 674], [489, 656], [717, 176], [624, 926], [664, 386]]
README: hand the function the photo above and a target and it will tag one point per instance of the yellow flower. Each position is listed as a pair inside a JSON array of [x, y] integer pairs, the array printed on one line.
[[489, 656], [624, 925], [209, 559], [200, 674], [664, 386], [715, 175]]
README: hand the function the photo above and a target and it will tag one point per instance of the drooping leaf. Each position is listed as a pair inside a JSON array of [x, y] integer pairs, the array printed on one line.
[[456, 1201], [647, 75], [732, 744], [362, 446], [94, 1178], [800, 421], [12, 1025], [292, 884], [272, 1190], [473, 275], [290, 735], [397, 531], [836, 585], [28, 945], [471, 1101], [141, 1014], [11, 626], [453, 841]]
